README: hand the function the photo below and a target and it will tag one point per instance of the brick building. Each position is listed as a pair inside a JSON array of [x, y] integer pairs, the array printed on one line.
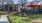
[[11, 7]]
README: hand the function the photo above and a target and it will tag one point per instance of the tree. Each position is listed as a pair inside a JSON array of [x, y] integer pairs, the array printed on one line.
[[23, 3]]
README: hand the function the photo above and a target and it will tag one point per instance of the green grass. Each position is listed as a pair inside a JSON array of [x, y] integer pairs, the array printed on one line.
[[0, 15], [40, 17], [18, 19]]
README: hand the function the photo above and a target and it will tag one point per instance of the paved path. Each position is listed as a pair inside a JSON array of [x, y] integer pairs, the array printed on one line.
[[4, 18], [36, 20]]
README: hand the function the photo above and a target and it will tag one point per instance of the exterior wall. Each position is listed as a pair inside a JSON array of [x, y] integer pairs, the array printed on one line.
[[11, 7], [16, 7], [19, 8], [33, 8]]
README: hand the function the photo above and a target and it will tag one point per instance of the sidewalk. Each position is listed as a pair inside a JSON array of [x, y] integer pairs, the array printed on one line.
[[4, 18]]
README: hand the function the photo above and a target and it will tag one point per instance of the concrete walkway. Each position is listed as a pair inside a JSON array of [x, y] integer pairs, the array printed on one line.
[[36, 20], [4, 18]]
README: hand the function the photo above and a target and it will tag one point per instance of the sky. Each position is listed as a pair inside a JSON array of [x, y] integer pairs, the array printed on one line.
[[15, 1], [29, 0]]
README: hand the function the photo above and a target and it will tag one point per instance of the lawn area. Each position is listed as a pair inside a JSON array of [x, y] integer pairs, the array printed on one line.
[[18, 19], [0, 14], [40, 16]]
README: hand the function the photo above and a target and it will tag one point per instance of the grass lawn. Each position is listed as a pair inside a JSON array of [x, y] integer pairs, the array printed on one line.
[[18, 19], [40, 17], [0, 14]]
